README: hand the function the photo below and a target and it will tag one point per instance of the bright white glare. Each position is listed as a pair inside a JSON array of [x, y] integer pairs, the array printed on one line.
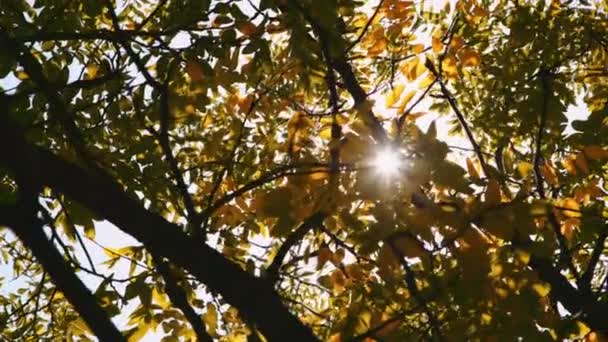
[[387, 162]]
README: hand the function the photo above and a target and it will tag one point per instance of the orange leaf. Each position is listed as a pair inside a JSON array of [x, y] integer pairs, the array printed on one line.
[[549, 174], [595, 152], [247, 28], [437, 45], [469, 58], [581, 163], [325, 255], [194, 70]]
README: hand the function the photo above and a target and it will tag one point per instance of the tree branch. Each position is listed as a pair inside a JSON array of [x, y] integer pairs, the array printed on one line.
[[585, 280], [101, 194], [28, 228], [178, 297], [463, 122], [315, 220]]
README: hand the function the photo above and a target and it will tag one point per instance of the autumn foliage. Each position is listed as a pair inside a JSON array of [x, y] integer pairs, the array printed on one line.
[[303, 170]]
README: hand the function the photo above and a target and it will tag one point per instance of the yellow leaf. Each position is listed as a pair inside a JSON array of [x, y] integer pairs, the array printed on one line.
[[522, 256], [394, 95], [493, 192], [426, 81], [472, 169], [210, 318], [456, 43], [406, 99], [583, 329], [338, 281], [569, 207], [595, 152], [336, 338], [486, 318], [92, 70], [22, 75], [140, 332], [449, 66], [160, 298], [542, 289], [247, 28], [80, 325], [325, 133], [417, 48], [524, 169]]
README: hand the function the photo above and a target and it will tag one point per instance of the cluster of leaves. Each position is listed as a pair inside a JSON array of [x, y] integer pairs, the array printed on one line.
[[234, 140]]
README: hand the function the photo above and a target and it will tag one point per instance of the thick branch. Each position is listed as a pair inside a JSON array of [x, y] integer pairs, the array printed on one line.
[[101, 194], [29, 229], [585, 280], [178, 297], [410, 281], [593, 313], [315, 220], [345, 70]]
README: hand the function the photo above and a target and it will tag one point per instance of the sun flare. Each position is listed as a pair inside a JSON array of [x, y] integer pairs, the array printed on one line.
[[387, 162]]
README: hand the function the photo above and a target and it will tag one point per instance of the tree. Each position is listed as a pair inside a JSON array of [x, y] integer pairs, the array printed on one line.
[[305, 170]]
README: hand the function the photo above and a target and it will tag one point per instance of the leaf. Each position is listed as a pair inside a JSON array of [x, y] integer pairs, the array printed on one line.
[[247, 28], [469, 58], [22, 75], [581, 163], [542, 289], [394, 95], [194, 70], [436, 44], [324, 256], [338, 281], [472, 169], [568, 207], [338, 257], [139, 332], [387, 261], [409, 247], [595, 152], [549, 174], [89, 231], [92, 70], [210, 318], [524, 169]]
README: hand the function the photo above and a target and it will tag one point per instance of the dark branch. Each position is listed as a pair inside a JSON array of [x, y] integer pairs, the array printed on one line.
[[315, 220], [178, 297], [25, 224], [260, 303]]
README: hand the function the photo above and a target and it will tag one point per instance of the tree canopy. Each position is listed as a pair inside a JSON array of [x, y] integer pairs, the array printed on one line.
[[332, 170]]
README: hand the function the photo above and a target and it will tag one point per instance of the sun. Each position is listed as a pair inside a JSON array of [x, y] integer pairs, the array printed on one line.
[[387, 162]]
